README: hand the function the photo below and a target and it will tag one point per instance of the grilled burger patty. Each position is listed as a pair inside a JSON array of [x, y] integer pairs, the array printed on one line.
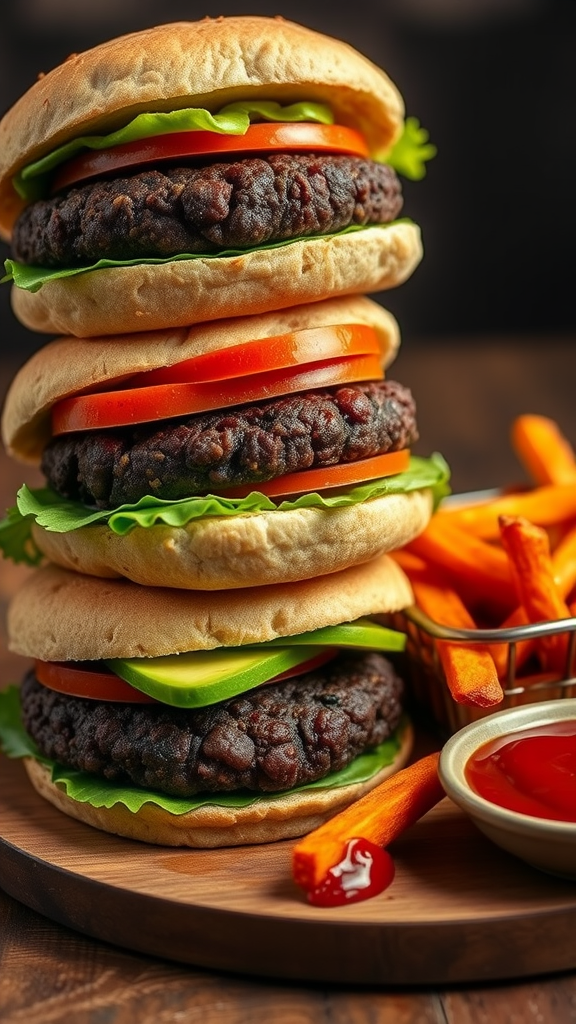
[[234, 446], [273, 738], [204, 209]]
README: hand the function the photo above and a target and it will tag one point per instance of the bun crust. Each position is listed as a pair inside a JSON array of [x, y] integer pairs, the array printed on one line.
[[146, 297], [57, 615], [206, 63], [67, 365], [243, 551], [265, 821]]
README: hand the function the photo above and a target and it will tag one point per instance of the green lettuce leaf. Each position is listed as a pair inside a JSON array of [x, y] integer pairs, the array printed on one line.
[[31, 277], [409, 154], [16, 539], [234, 119], [14, 740], [86, 788], [58, 515]]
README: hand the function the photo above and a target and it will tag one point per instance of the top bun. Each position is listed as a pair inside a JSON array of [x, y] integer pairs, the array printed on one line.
[[65, 616], [206, 63]]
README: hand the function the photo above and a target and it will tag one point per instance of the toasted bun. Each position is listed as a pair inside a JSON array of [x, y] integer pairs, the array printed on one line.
[[65, 616], [67, 366], [243, 551], [206, 63], [265, 821], [148, 297]]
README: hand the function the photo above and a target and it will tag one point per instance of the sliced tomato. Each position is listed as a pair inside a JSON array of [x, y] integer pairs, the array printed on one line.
[[326, 477], [309, 345], [164, 401], [259, 138], [86, 680]]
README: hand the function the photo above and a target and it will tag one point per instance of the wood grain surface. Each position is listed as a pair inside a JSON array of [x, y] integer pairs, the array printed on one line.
[[468, 391], [458, 910]]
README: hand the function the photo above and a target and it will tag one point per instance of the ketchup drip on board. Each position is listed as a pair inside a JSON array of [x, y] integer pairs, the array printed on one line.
[[532, 771], [364, 871]]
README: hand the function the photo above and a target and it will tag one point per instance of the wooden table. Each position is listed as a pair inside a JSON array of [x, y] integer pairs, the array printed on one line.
[[468, 391]]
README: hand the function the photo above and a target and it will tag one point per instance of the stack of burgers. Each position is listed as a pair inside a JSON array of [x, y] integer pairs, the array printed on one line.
[[198, 211]]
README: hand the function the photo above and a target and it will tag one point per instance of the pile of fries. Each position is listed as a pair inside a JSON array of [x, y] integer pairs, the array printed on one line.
[[491, 567], [484, 571]]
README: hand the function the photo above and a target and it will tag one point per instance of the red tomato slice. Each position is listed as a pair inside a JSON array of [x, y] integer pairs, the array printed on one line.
[[310, 345], [82, 680], [259, 138], [325, 477], [164, 401]]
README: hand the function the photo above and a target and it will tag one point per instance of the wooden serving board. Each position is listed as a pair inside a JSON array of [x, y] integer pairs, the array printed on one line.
[[459, 909]]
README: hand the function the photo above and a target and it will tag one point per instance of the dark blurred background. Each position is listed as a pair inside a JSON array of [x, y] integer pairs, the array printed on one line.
[[494, 82]]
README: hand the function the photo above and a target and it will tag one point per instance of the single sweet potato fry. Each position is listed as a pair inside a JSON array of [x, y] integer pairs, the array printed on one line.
[[564, 568], [471, 674], [547, 506], [528, 549], [543, 450], [380, 816]]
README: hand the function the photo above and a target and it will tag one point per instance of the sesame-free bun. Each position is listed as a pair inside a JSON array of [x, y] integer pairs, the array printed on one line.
[[68, 366], [266, 820], [206, 63], [57, 615], [152, 296], [243, 551]]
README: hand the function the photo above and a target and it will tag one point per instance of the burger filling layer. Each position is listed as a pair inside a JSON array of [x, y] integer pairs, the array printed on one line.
[[243, 445], [267, 740], [240, 204]]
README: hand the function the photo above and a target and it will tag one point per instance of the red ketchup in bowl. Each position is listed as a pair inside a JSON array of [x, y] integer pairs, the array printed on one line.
[[532, 771]]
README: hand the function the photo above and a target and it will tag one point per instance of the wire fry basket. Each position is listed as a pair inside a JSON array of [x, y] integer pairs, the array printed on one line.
[[428, 681]]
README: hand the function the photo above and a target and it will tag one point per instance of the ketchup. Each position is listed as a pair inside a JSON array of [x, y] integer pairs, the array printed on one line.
[[532, 771], [365, 871]]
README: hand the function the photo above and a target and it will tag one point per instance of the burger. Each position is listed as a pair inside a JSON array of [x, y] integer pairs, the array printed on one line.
[[123, 722], [227, 462], [171, 464], [202, 170]]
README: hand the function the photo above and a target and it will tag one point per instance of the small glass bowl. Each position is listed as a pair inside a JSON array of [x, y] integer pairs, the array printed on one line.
[[547, 845]]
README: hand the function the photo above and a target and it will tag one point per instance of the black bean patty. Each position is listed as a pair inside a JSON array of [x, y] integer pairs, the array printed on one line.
[[268, 740], [212, 451], [205, 209]]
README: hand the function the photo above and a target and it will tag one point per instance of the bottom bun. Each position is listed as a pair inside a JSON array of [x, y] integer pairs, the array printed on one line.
[[243, 551], [267, 820], [154, 296]]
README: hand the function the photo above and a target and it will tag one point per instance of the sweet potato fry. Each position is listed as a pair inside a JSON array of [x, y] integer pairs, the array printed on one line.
[[546, 506], [528, 549], [408, 561], [471, 674], [543, 450], [524, 648], [380, 816], [480, 572]]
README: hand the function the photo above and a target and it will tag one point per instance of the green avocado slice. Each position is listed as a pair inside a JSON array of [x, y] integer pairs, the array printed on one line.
[[198, 678]]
